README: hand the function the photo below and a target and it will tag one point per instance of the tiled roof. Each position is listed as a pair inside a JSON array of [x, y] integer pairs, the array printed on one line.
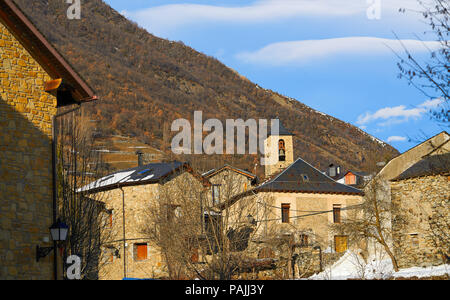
[[429, 165]]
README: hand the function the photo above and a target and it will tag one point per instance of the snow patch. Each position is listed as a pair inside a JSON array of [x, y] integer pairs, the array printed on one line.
[[352, 266]]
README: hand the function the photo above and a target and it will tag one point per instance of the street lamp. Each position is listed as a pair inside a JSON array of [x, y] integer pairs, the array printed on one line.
[[58, 231]]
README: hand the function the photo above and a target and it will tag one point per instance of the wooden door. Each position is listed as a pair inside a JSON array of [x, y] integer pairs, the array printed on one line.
[[341, 243]]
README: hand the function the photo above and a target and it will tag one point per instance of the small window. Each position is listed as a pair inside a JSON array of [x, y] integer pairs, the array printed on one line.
[[414, 240], [304, 177], [285, 213], [216, 194], [173, 211], [109, 218], [337, 214], [304, 240], [195, 255], [109, 254], [140, 252]]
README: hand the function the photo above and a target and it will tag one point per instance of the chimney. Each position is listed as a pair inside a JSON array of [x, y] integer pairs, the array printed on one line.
[[140, 158]]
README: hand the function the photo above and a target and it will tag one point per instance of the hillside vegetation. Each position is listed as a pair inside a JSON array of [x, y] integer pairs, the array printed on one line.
[[146, 82]]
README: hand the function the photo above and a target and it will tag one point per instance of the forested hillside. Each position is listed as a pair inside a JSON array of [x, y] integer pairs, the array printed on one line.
[[146, 82]]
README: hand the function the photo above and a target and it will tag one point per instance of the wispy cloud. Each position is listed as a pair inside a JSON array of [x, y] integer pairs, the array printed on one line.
[[166, 17], [396, 139], [288, 53], [398, 114]]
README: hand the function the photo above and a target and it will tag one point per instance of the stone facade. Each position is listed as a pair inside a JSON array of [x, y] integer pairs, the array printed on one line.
[[26, 113], [271, 145], [316, 227], [139, 201], [228, 183], [419, 199]]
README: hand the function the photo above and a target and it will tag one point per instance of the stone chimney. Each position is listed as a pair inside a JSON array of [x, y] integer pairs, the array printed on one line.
[[140, 155]]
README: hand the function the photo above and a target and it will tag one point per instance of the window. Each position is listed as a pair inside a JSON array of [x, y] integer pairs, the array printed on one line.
[[109, 254], [337, 213], [140, 252], [109, 218], [173, 211], [281, 150], [194, 256], [216, 194], [304, 240], [332, 170], [304, 177], [285, 208], [350, 179], [414, 240]]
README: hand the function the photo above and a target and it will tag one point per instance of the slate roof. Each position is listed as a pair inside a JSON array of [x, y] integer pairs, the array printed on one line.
[[146, 174], [213, 172], [282, 130], [293, 180], [429, 165], [301, 177]]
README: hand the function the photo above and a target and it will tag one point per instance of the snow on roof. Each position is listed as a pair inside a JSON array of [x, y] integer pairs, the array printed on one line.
[[142, 174]]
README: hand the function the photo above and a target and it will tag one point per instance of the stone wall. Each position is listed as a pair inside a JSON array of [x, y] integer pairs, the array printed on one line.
[[273, 165], [26, 113], [140, 206], [420, 200]]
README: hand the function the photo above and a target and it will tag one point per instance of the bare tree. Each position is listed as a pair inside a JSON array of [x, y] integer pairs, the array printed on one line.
[[371, 221], [198, 237], [78, 165], [433, 77]]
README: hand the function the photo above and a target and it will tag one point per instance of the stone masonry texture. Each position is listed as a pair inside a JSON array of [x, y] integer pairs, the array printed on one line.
[[26, 113]]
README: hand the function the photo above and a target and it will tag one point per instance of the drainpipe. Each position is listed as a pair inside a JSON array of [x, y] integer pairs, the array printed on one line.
[[124, 235], [54, 183]]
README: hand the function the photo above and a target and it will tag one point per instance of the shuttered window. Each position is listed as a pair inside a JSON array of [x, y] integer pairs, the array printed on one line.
[[304, 240], [337, 214], [140, 252], [285, 213]]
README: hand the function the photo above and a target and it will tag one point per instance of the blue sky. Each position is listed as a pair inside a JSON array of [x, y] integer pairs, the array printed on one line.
[[333, 55]]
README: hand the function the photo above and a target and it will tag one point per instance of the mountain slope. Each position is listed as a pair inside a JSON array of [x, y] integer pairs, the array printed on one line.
[[146, 82]]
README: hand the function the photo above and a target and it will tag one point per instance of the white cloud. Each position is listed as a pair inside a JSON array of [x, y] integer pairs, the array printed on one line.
[[398, 114], [166, 17], [396, 139], [288, 53]]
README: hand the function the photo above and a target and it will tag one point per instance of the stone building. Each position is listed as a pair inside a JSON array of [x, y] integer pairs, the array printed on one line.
[[278, 151], [300, 202], [421, 228], [129, 197], [437, 144], [34, 81], [229, 181]]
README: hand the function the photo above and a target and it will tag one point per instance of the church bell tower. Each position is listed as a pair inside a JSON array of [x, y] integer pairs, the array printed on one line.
[[279, 151]]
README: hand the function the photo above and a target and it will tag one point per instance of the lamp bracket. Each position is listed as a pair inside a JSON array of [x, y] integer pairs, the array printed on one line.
[[42, 252]]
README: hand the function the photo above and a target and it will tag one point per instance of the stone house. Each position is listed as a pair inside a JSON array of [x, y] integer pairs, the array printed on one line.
[[421, 228], [229, 181], [35, 80], [129, 197], [300, 201], [437, 144]]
